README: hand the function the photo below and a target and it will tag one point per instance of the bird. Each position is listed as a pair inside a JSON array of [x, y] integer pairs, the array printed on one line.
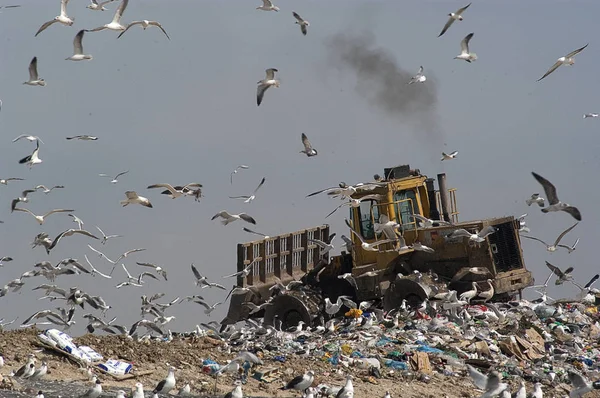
[[580, 385], [114, 179], [115, 24], [69, 232], [373, 247], [561, 276], [269, 81], [428, 223], [133, 198], [29, 138], [308, 149], [553, 247], [356, 202], [139, 391], [106, 237], [46, 190], [157, 268], [34, 79], [174, 192], [250, 198], [63, 18], [303, 23], [571, 249], [256, 233], [240, 167], [419, 77], [592, 115], [348, 390], [491, 384], [555, 203], [235, 393], [120, 394], [465, 54], [145, 23], [23, 198], [566, 60], [95, 6], [229, 218], [4, 181], [32, 159], [41, 219], [300, 383], [453, 17], [267, 6], [209, 308], [84, 137], [77, 220], [243, 273], [535, 198], [477, 237], [78, 54], [449, 156], [325, 247], [15, 6], [93, 392], [487, 294]]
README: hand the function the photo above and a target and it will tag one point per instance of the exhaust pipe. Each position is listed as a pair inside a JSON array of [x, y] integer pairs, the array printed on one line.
[[444, 196], [434, 213]]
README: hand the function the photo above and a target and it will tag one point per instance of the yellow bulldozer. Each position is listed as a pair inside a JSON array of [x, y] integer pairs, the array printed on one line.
[[423, 260]]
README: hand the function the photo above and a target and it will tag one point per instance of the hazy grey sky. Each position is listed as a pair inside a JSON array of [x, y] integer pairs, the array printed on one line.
[[185, 110]]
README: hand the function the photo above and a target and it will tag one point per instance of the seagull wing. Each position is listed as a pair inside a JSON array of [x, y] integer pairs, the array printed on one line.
[[33, 72], [57, 211], [573, 211], [222, 214], [573, 53], [566, 231], [24, 210], [167, 186], [132, 195], [448, 24], [155, 23], [298, 17], [337, 208], [63, 7], [77, 45], [260, 185], [120, 11], [464, 44], [260, 92], [461, 232], [195, 272], [549, 188], [306, 143], [486, 231], [45, 25], [461, 10], [121, 173], [271, 73], [247, 218], [555, 269], [129, 26], [479, 379], [534, 238], [552, 69]]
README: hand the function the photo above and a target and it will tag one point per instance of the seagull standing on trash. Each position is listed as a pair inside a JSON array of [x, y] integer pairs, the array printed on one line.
[[167, 384], [93, 392], [300, 383]]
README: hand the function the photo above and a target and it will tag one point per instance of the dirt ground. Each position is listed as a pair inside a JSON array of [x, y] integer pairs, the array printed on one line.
[[187, 354]]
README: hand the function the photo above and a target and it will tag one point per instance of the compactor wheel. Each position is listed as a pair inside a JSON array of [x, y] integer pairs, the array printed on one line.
[[404, 289], [291, 308]]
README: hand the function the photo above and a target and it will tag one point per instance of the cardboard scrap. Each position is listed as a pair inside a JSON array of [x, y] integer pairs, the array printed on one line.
[[268, 375], [420, 362], [510, 347], [483, 349]]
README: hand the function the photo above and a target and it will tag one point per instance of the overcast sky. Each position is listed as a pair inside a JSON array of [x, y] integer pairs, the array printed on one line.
[[185, 111]]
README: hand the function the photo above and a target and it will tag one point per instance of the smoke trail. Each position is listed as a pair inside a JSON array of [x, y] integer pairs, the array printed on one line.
[[384, 83]]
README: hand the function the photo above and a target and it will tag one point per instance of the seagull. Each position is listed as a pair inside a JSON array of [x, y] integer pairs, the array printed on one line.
[[243, 273], [229, 218], [95, 391], [269, 81], [63, 18], [23, 198], [77, 220], [240, 167], [235, 393], [10, 6], [428, 223], [46, 190], [586, 115], [250, 198], [174, 192], [580, 385], [552, 248], [453, 17], [145, 23], [41, 219], [490, 384], [106, 237], [34, 79], [95, 6], [256, 233], [209, 308], [94, 270], [571, 249], [4, 181], [303, 24], [68, 232], [300, 383], [356, 202], [465, 54], [133, 197], [477, 237], [114, 180], [78, 54], [84, 137], [535, 198], [33, 158], [29, 138], [325, 247], [373, 247], [566, 60], [115, 24], [555, 203], [419, 77], [523, 224], [157, 268], [308, 149], [267, 6], [449, 156], [561, 276]]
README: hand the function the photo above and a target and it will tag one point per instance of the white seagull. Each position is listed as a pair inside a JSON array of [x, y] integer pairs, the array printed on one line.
[[356, 202], [229, 218], [134, 198], [167, 384], [29, 138], [449, 156], [555, 203], [465, 54], [263, 85], [477, 237], [34, 79], [46, 190], [63, 18], [491, 384], [586, 115], [535, 198], [267, 6], [4, 181], [41, 219], [566, 60], [308, 149], [580, 385], [561, 276], [419, 77], [145, 23], [300, 383], [114, 180], [106, 237], [78, 54], [95, 6], [552, 248], [453, 17], [240, 167], [250, 198], [77, 220], [372, 247], [115, 24], [255, 233], [174, 192], [33, 158], [303, 23]]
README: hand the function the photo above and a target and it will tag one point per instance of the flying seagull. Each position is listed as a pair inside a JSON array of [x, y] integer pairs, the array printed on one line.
[[174, 192], [356, 202], [465, 54], [303, 24], [22, 198], [114, 180], [250, 198], [552, 248], [68, 232], [263, 85], [133, 198], [33, 158], [115, 24], [29, 138], [34, 79], [4, 181], [308, 149], [449, 156], [491, 384], [46, 190], [373, 247], [83, 137], [106, 237], [586, 115], [555, 203], [255, 233], [477, 237], [453, 17], [229, 218], [240, 167], [566, 60], [95, 6], [561, 276], [78, 54], [145, 23], [419, 77], [535, 198], [267, 6], [41, 219], [157, 268], [77, 220], [63, 18]]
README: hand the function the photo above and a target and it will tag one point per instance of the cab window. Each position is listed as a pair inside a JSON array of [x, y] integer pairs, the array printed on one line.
[[404, 209], [366, 228]]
